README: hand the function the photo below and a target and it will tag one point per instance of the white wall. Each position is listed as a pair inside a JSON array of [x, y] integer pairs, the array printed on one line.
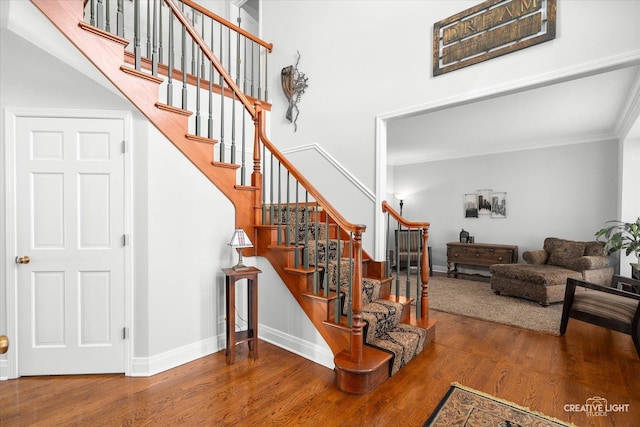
[[567, 192], [365, 59]]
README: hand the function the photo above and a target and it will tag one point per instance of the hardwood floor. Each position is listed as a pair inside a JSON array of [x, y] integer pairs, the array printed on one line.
[[540, 371]]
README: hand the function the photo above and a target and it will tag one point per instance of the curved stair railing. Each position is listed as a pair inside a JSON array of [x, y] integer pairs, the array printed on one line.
[[313, 248]]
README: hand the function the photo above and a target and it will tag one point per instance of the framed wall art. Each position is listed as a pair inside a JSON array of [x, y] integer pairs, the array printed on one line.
[[471, 205], [499, 205], [484, 202]]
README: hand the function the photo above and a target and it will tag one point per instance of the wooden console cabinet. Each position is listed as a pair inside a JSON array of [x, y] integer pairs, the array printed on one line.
[[478, 254]]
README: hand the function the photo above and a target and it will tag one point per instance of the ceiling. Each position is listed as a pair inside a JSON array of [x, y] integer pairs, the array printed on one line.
[[575, 111]]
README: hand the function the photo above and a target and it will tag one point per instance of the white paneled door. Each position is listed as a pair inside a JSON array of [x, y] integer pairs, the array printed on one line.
[[70, 255]]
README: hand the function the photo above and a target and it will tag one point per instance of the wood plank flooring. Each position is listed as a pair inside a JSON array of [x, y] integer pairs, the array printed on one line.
[[536, 370]]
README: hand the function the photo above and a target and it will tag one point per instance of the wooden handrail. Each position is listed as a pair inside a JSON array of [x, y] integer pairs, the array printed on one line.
[[333, 213], [210, 55], [226, 23], [386, 207]]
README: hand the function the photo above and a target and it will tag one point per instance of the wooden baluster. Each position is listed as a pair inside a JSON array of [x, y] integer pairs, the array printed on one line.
[[357, 339], [424, 277]]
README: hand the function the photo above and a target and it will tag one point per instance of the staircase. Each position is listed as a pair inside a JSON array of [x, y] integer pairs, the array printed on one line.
[[318, 254]]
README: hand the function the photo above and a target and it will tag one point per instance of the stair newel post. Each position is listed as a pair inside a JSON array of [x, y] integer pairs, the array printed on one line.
[[357, 339], [424, 276], [397, 242], [387, 266], [256, 176], [305, 248]]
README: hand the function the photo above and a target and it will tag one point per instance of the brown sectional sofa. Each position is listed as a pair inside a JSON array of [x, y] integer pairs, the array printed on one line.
[[544, 276]]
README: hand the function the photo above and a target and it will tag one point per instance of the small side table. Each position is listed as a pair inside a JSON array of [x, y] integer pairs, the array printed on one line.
[[251, 334]]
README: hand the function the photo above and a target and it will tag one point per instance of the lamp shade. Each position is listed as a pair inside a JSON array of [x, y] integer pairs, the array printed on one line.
[[240, 239]]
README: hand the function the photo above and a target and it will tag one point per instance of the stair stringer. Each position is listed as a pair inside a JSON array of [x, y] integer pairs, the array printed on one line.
[[106, 52]]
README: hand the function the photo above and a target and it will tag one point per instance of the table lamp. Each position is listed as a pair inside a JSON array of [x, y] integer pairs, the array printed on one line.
[[239, 241]]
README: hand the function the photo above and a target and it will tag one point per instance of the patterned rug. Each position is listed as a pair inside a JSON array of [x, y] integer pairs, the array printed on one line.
[[465, 407]]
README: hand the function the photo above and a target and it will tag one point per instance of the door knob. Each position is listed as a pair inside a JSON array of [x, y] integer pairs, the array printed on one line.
[[22, 260]]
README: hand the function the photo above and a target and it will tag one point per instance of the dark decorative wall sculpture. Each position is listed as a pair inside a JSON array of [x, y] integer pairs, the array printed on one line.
[[294, 83]]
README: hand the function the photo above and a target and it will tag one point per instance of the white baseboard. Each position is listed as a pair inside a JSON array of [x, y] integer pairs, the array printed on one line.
[[306, 349], [148, 366], [4, 370]]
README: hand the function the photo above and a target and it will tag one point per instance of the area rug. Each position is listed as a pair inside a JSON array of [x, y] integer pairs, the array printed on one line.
[[466, 407], [475, 299]]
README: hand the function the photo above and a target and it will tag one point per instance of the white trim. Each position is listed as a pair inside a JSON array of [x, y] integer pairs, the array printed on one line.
[[379, 231], [148, 366], [10, 368], [567, 74], [631, 111], [458, 154], [308, 350], [356, 183]]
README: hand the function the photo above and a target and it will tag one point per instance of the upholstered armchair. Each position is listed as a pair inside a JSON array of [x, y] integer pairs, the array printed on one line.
[[615, 307]]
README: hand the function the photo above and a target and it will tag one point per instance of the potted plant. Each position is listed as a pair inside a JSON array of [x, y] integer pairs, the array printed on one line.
[[625, 236]]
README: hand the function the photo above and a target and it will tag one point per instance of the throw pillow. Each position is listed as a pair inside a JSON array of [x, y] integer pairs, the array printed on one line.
[[563, 252], [594, 248]]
